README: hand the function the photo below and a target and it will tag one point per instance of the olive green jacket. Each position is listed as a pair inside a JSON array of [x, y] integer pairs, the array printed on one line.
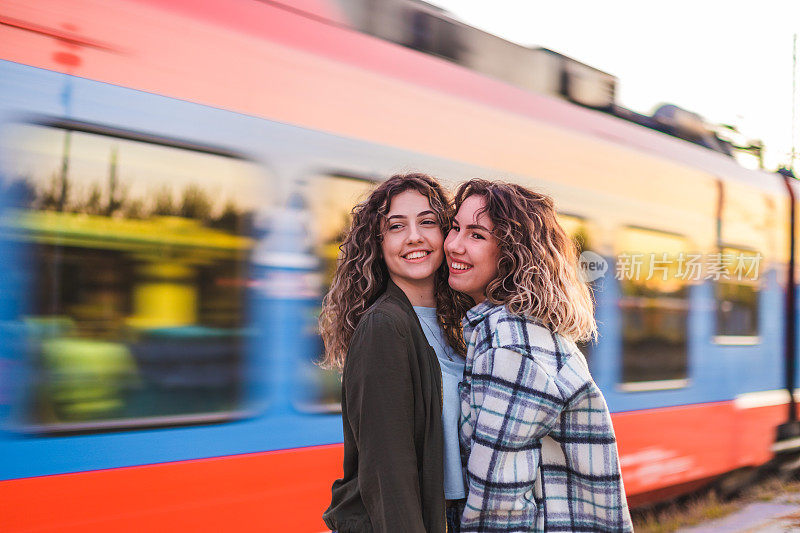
[[392, 416]]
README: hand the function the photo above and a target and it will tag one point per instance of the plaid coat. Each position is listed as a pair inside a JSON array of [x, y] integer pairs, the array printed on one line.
[[537, 442]]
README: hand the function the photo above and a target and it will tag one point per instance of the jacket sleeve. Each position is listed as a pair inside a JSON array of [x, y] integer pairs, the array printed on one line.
[[380, 410], [515, 403]]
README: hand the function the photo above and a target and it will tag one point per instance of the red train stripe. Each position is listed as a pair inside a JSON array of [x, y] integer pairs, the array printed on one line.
[[273, 491], [677, 445]]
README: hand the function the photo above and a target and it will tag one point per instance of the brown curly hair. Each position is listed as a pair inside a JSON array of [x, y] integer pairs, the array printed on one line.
[[538, 262], [361, 274]]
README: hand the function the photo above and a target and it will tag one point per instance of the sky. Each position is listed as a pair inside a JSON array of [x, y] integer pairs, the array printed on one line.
[[729, 61]]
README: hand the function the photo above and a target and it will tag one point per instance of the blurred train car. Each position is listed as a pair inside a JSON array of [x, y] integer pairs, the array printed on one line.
[[175, 179]]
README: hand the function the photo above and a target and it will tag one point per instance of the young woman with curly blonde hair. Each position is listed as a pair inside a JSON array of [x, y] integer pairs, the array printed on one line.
[[391, 324], [536, 435]]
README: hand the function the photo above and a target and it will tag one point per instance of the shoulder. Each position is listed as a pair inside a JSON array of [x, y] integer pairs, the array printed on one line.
[[383, 331], [378, 348], [385, 314], [531, 338], [573, 374], [523, 334], [512, 342]]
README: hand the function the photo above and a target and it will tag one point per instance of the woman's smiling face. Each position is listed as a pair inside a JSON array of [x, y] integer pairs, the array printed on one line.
[[412, 240], [472, 250]]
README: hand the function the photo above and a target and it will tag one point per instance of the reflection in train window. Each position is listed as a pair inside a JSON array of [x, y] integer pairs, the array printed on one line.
[[330, 200], [138, 256], [654, 285], [581, 231], [737, 292]]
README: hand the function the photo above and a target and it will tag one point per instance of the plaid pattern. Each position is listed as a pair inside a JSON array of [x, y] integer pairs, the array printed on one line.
[[537, 442]]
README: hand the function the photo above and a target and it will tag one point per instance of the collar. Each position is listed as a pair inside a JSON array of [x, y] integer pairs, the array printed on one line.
[[395, 292], [392, 290], [478, 313]]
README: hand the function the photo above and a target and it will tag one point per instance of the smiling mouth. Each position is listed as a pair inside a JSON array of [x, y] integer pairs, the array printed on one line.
[[416, 255], [458, 267]]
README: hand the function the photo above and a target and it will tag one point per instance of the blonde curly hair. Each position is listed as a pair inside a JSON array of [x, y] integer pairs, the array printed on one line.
[[361, 274], [538, 262]]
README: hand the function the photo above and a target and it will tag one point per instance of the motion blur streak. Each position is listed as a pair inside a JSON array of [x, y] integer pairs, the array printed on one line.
[[175, 179]]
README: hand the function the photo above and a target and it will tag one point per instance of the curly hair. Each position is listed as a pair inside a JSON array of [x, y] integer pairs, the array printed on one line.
[[361, 274], [538, 272]]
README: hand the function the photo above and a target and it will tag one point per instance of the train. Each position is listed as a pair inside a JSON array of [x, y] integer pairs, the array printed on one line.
[[175, 177]]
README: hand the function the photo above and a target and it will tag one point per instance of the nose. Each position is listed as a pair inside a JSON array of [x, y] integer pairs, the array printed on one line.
[[453, 243], [414, 235]]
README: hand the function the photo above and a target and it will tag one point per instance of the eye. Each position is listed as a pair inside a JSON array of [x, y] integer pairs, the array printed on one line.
[[395, 226], [429, 222], [454, 228], [478, 236]]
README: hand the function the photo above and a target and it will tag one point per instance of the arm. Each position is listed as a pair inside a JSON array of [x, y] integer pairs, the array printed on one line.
[[514, 403], [380, 409]]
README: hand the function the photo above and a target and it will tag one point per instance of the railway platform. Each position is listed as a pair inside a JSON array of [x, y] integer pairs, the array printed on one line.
[[781, 515]]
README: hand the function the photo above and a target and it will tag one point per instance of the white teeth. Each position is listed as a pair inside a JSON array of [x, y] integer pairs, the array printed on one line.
[[416, 255], [460, 266]]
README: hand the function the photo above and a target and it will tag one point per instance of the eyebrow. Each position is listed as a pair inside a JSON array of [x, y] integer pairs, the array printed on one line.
[[478, 226], [428, 212], [474, 226]]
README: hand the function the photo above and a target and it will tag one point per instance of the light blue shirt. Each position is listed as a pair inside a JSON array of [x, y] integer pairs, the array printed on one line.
[[452, 373]]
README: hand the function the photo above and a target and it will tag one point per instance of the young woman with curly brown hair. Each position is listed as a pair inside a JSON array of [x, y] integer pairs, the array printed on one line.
[[537, 439], [391, 324]]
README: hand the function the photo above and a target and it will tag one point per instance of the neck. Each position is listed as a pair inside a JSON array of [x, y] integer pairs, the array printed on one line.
[[478, 297], [419, 293]]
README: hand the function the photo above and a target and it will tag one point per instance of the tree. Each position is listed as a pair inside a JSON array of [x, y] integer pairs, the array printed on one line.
[[195, 204], [163, 205]]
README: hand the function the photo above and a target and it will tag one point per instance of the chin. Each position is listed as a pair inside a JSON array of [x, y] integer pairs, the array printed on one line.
[[417, 275], [459, 288], [423, 277]]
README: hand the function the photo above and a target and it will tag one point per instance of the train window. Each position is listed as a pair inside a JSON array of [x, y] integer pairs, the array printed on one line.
[[330, 200], [736, 289], [581, 231], [577, 228], [651, 267], [138, 264], [747, 217]]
